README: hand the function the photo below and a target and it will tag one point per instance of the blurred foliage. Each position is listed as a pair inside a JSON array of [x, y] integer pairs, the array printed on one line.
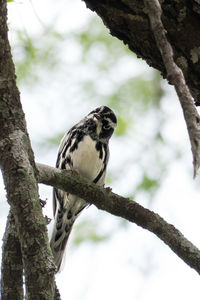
[[106, 76], [98, 44], [89, 231], [35, 53], [148, 184]]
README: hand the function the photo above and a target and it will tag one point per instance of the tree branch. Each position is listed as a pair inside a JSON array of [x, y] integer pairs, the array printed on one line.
[[176, 77], [119, 206], [12, 266]]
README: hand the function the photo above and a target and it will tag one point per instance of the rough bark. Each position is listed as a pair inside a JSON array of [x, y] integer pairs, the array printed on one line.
[[12, 266], [106, 200], [18, 168], [128, 21]]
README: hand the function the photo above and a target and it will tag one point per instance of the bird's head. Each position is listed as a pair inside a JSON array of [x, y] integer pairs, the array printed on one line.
[[105, 122]]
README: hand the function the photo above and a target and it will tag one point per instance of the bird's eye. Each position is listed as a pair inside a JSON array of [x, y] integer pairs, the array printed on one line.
[[106, 126]]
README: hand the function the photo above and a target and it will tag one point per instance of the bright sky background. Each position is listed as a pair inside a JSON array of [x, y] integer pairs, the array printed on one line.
[[133, 263]]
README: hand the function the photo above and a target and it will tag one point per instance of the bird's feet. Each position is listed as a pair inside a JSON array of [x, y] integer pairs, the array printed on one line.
[[108, 189]]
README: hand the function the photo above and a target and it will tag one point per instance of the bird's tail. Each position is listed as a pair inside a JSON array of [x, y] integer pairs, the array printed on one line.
[[64, 219], [61, 231]]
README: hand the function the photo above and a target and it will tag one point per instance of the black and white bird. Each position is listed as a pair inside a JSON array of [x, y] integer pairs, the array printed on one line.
[[83, 148]]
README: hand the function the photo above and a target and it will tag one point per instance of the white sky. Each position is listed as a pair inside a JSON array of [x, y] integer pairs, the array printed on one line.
[[133, 264]]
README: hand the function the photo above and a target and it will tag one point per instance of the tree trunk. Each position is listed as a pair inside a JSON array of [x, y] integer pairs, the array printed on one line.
[[19, 173]]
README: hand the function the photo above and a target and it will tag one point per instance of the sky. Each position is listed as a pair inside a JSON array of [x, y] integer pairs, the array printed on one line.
[[132, 263]]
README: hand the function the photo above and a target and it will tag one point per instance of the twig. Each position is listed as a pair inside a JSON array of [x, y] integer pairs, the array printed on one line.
[[122, 207], [176, 77]]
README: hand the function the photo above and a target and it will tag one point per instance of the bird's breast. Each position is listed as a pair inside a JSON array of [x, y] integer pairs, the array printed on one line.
[[86, 158]]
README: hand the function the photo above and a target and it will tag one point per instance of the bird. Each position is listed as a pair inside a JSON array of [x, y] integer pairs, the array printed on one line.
[[85, 149]]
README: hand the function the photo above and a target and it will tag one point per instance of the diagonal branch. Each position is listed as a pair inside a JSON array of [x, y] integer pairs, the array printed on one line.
[[176, 77], [117, 205]]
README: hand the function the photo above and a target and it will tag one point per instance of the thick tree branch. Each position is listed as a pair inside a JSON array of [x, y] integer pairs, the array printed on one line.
[[106, 200], [176, 77], [18, 169], [12, 266]]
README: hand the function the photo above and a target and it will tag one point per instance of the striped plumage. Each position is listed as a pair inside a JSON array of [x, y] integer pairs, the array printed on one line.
[[85, 149]]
